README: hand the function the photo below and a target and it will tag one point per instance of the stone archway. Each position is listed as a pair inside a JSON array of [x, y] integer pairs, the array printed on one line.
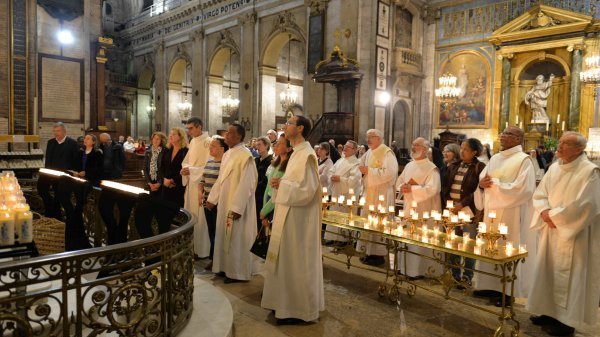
[[400, 124], [179, 87], [273, 72], [223, 80], [145, 97]]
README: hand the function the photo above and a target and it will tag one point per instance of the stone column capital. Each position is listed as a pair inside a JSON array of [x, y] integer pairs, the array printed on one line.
[[198, 34], [316, 6], [248, 18], [573, 47]]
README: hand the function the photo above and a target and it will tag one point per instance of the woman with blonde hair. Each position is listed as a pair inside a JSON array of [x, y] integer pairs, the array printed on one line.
[[172, 187]]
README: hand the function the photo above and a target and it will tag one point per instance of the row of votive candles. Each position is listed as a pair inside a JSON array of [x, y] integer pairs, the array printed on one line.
[[15, 217], [434, 239]]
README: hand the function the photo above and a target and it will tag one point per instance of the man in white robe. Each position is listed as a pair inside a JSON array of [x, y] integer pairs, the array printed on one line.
[[344, 176], [566, 289], [506, 186], [191, 173], [293, 285], [379, 168], [419, 183], [233, 192]]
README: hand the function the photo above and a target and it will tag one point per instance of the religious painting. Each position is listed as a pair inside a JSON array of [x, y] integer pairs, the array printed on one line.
[[383, 19], [382, 68], [471, 109]]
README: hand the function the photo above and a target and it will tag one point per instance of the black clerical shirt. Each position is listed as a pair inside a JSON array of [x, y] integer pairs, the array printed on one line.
[[61, 156]]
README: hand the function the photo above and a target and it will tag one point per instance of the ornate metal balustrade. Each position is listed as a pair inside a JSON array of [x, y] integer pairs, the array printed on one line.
[[408, 58], [139, 288]]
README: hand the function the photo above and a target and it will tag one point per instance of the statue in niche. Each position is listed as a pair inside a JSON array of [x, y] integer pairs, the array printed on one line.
[[537, 98]]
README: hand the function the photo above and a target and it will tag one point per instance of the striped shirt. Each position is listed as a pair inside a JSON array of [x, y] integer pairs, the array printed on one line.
[[210, 175], [457, 183]]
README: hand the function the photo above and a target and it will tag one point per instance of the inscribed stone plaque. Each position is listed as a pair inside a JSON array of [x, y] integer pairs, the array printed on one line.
[[315, 42], [61, 89]]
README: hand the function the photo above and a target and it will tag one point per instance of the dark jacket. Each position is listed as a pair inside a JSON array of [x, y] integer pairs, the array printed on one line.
[[61, 156], [114, 160], [93, 165], [469, 184], [261, 185], [147, 158], [171, 169]]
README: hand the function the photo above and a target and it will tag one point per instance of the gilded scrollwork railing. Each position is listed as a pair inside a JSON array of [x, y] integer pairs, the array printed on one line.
[[442, 283], [138, 288]]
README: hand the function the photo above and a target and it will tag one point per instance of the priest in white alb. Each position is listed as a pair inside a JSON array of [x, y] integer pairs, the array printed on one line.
[[506, 186], [233, 193], [566, 270], [379, 168], [191, 173], [344, 180], [420, 185], [293, 285]]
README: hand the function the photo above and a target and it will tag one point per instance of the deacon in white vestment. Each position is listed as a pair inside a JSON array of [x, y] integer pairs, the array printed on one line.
[[506, 186], [293, 284], [344, 176], [233, 193], [379, 167], [566, 276], [191, 173], [419, 183], [325, 163]]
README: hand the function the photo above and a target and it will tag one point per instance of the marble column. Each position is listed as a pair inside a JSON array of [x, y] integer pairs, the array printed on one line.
[[505, 92], [160, 91], [248, 99], [269, 103], [198, 81], [575, 95]]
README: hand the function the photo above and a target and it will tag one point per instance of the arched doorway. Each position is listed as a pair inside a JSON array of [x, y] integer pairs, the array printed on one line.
[[223, 83], [179, 89], [284, 55], [143, 125], [400, 127]]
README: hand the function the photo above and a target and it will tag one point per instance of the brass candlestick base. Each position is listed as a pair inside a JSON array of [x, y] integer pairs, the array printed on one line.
[[324, 206], [491, 240]]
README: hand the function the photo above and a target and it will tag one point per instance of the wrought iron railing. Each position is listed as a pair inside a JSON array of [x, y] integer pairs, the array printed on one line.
[[138, 288], [408, 57]]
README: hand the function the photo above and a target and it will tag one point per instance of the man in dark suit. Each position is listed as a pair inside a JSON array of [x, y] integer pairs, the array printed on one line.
[[60, 155], [114, 157]]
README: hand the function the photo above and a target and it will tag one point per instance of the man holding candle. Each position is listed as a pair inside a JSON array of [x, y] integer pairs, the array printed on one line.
[[565, 289], [506, 186], [344, 180], [420, 185], [379, 169]]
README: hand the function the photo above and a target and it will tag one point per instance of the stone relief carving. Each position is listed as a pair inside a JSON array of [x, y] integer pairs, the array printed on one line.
[[285, 22], [227, 41]]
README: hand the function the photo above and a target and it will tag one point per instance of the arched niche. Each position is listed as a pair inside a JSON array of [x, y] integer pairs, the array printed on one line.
[[401, 124], [145, 98], [273, 72], [179, 88], [223, 80]]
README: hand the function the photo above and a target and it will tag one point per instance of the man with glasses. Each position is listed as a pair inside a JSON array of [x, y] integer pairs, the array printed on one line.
[[379, 169], [506, 186], [565, 290], [191, 174], [344, 176], [293, 285], [420, 185]]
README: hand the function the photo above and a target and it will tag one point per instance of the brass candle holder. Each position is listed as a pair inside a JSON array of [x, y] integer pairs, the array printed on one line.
[[491, 237]]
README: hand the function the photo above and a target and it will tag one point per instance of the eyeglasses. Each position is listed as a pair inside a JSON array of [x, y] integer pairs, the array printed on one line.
[[288, 123], [507, 134]]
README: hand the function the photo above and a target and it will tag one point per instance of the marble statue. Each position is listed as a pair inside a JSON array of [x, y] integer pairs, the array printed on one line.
[[537, 99]]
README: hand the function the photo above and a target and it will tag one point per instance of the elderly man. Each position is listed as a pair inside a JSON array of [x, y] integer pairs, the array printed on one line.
[[506, 186], [566, 268], [379, 168], [233, 192], [114, 157], [294, 268], [61, 152], [420, 185], [191, 174], [344, 177], [272, 135]]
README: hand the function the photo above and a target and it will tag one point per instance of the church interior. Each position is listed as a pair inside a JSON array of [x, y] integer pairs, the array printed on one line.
[[441, 70]]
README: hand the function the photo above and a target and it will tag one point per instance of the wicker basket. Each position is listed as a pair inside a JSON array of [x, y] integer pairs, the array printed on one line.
[[49, 235]]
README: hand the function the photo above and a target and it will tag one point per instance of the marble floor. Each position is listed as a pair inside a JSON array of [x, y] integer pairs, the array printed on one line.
[[354, 309]]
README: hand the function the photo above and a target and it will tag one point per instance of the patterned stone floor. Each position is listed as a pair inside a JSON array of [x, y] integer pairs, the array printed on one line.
[[354, 309]]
